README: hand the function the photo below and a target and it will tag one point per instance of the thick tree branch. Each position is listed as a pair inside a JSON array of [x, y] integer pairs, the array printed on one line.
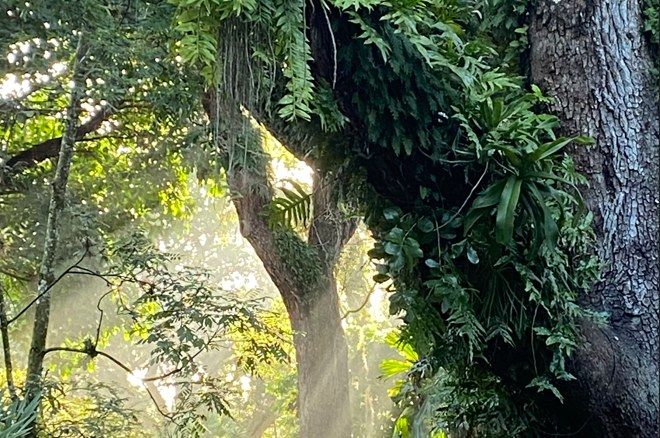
[[51, 148], [251, 193]]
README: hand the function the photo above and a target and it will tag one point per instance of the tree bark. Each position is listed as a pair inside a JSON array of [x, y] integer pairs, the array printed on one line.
[[51, 148], [312, 306], [6, 346], [303, 273], [46, 271], [322, 361], [590, 55]]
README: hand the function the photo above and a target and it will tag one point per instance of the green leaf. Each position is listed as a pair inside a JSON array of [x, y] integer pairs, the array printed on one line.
[[550, 229], [392, 367], [292, 209], [584, 140], [490, 196], [381, 278], [506, 210], [392, 248], [391, 213], [472, 255], [548, 149], [425, 225], [472, 218]]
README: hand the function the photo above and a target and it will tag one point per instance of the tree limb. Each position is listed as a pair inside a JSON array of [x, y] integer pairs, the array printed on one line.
[[51, 148], [330, 229], [251, 192]]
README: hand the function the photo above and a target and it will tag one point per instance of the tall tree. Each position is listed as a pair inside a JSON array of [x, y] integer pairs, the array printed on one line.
[[33, 384], [465, 185], [301, 269], [594, 59]]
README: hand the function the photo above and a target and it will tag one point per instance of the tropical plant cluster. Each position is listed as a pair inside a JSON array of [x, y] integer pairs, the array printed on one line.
[[480, 228]]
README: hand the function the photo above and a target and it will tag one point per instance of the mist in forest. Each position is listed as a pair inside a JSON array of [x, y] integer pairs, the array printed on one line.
[[260, 405]]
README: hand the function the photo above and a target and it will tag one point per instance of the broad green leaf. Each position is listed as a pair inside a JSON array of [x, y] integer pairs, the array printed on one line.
[[490, 196], [548, 149], [506, 210]]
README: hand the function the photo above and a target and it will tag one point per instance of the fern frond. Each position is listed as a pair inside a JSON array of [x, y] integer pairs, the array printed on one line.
[[293, 208]]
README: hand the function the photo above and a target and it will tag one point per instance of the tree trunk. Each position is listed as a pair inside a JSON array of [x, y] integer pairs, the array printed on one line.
[[303, 273], [590, 55], [322, 357], [33, 383]]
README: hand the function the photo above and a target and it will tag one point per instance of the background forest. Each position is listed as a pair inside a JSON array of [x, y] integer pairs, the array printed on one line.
[[332, 218]]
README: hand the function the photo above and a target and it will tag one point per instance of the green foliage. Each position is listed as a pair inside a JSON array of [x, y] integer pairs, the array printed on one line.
[[178, 312], [480, 230], [479, 225], [16, 416], [487, 262], [651, 17], [293, 208], [282, 23], [651, 20], [86, 409], [300, 257]]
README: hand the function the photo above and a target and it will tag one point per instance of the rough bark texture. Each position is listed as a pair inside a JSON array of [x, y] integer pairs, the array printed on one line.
[[591, 57], [312, 305], [322, 358]]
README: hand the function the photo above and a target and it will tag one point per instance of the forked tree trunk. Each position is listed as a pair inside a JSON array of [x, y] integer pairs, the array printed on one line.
[[590, 55], [311, 301], [303, 273]]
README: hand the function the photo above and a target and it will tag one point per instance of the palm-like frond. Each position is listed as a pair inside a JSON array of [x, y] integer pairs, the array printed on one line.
[[293, 208]]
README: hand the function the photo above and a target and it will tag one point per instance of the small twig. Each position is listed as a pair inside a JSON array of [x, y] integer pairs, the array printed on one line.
[[179, 369], [98, 306], [92, 352], [466, 199], [160, 411], [50, 286], [103, 137], [361, 306]]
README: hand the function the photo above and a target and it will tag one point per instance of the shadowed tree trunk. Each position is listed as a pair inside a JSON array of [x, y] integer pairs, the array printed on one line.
[[590, 55]]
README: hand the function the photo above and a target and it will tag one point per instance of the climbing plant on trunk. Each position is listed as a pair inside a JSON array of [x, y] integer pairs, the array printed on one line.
[[595, 60], [464, 181]]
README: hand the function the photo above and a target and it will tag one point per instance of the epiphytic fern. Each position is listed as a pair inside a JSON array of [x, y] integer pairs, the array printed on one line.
[[292, 208]]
